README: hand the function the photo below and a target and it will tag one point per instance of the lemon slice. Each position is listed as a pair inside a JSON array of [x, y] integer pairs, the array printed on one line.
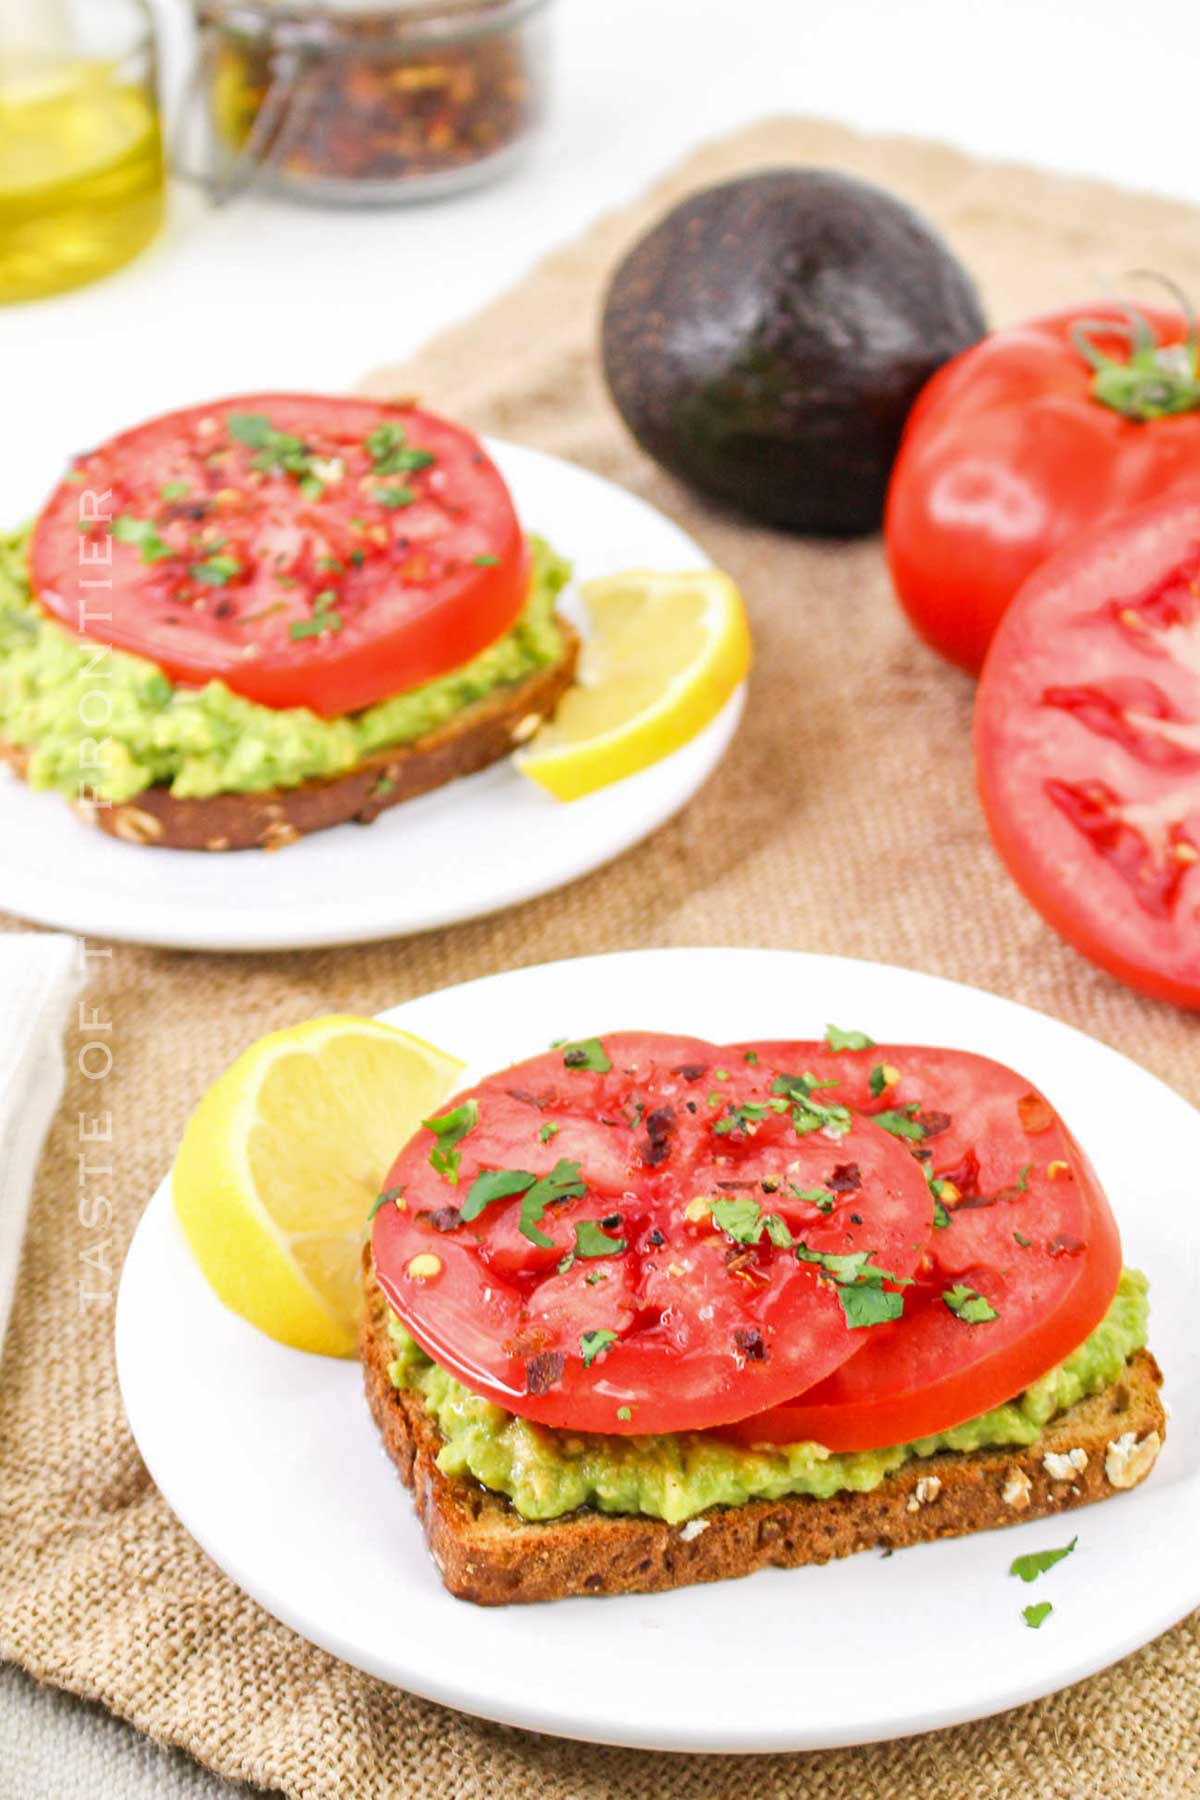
[[281, 1164], [663, 655]]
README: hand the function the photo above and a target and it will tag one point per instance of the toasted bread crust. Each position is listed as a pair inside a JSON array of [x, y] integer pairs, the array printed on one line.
[[488, 1554], [475, 737]]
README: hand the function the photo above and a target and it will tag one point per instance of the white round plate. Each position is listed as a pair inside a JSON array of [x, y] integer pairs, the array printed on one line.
[[476, 846], [270, 1459]]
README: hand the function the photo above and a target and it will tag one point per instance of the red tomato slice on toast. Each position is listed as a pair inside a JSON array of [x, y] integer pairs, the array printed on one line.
[[306, 551], [1087, 747], [646, 1233], [1021, 1267]]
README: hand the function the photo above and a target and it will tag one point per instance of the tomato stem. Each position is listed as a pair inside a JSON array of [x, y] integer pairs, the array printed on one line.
[[1157, 380]]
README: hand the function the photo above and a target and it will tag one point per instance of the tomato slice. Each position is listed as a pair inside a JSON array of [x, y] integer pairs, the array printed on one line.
[[1087, 747], [305, 550], [1023, 1226], [633, 1302]]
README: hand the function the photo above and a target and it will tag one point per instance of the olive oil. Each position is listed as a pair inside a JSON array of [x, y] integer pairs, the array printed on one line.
[[81, 172]]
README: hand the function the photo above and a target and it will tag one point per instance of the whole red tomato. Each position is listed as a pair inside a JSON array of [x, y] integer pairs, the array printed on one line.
[[1020, 443]]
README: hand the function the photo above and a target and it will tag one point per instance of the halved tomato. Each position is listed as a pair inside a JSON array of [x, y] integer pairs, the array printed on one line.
[[1021, 1267], [646, 1233], [1087, 747], [306, 551]]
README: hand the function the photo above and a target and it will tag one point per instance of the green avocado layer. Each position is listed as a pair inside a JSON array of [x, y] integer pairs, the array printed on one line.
[[546, 1473], [208, 740]]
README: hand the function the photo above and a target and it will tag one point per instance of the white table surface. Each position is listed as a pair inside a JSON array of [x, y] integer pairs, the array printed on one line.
[[262, 295]]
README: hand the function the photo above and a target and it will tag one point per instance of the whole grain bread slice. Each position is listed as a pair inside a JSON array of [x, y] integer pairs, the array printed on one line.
[[488, 1553], [477, 736]]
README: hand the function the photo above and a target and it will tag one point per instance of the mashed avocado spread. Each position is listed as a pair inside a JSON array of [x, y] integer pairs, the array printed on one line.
[[201, 741], [673, 1477]]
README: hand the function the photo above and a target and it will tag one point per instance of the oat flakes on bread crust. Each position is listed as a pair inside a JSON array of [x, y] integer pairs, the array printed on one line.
[[487, 1553]]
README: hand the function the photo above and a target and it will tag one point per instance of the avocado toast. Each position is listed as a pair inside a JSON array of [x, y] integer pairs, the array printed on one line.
[[250, 621], [486, 1551], [645, 1311]]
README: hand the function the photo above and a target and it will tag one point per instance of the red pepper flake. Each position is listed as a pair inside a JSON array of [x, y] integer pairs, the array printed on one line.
[[749, 1341], [544, 1371]]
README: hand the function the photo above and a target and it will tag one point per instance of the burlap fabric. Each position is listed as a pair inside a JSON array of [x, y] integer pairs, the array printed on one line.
[[843, 820]]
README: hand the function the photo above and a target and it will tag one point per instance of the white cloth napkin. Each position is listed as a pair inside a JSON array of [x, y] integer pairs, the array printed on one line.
[[40, 975]]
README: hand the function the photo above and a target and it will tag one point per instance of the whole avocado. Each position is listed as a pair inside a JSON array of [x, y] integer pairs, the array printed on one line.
[[766, 339]]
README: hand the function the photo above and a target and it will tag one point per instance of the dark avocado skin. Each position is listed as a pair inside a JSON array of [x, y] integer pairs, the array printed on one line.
[[766, 340]]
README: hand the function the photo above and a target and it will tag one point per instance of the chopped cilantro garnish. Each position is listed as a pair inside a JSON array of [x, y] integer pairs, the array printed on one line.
[[388, 1197], [306, 628], [821, 1198], [744, 1221], [548, 1130], [870, 1305], [1023, 1178], [277, 452], [587, 1053], [562, 1183], [856, 1277], [485, 562], [389, 450], [593, 1342], [450, 1129], [740, 1118], [383, 787], [1037, 1614], [254, 430], [847, 1040], [590, 1240], [878, 1079], [741, 1220], [941, 1218], [809, 1114], [968, 1305], [1023, 1241], [902, 1123], [323, 618], [494, 1184], [174, 490], [1036, 1562], [215, 571], [392, 497], [720, 1074], [143, 533], [625, 1413], [751, 1056]]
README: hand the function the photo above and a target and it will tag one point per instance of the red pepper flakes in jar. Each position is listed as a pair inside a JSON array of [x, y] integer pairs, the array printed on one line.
[[361, 102]]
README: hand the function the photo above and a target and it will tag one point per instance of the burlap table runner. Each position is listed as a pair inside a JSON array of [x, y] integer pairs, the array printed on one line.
[[844, 820]]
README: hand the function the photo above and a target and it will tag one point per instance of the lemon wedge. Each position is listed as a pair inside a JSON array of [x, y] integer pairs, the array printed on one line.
[[663, 655], [281, 1164]]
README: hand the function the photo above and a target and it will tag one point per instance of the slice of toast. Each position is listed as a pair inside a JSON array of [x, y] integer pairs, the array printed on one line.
[[488, 1553], [480, 734]]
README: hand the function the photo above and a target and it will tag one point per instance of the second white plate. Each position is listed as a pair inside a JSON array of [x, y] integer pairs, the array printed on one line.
[[481, 844], [271, 1461]]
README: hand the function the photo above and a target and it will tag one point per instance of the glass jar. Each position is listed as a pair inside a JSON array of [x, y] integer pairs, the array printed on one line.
[[356, 101], [81, 164]]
